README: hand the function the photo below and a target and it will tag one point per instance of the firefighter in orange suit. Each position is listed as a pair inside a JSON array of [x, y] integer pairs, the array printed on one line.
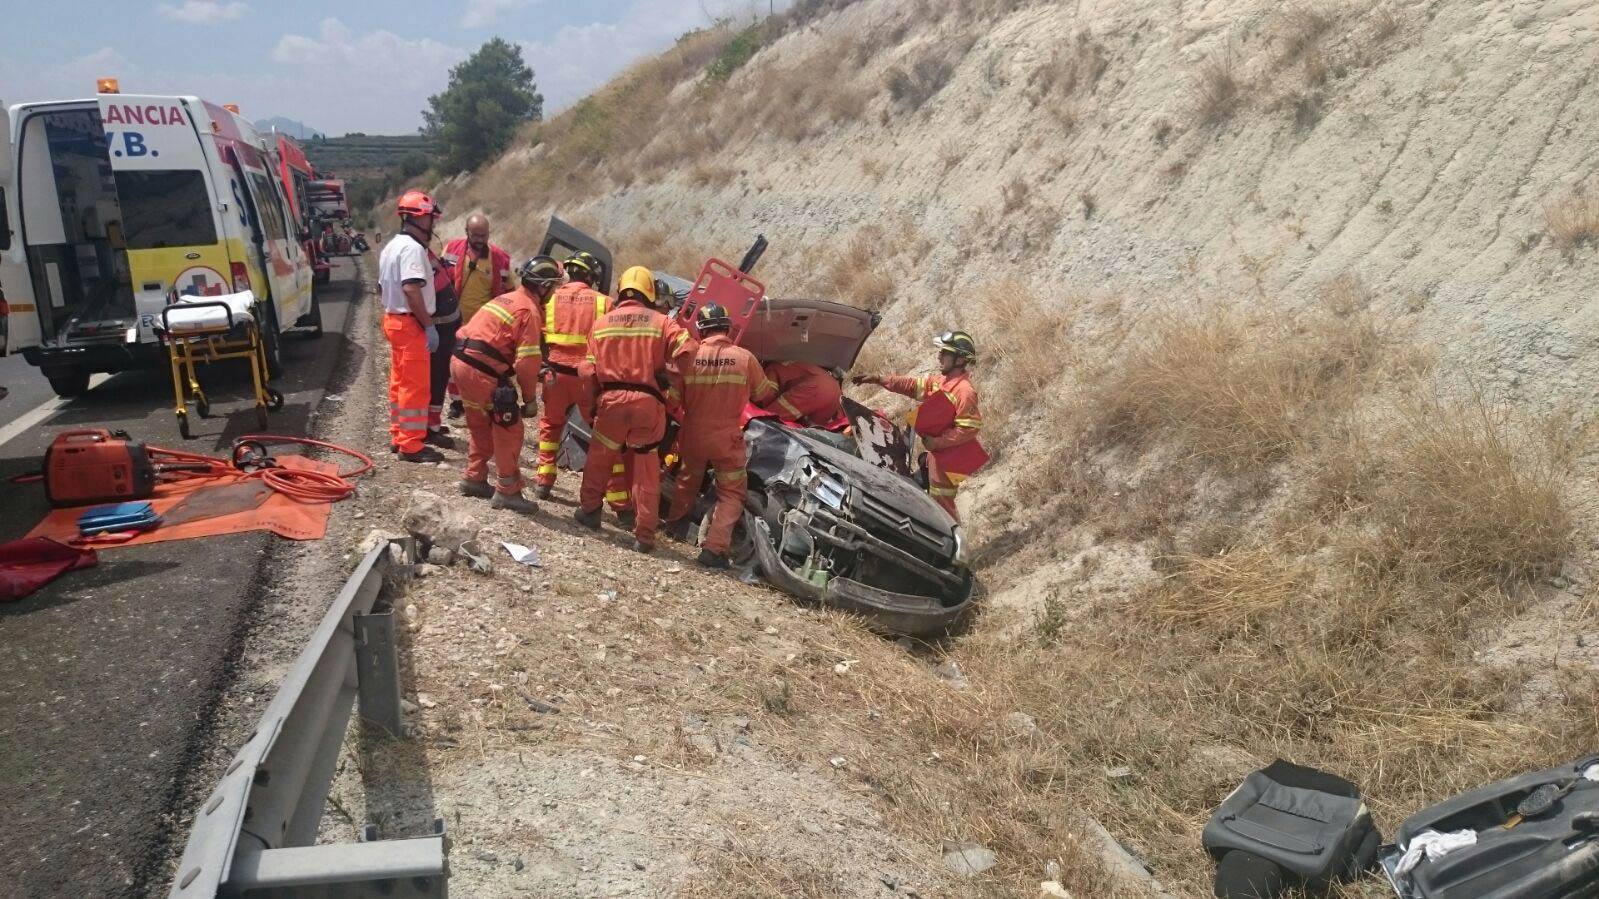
[[723, 379], [947, 418], [807, 394], [631, 348], [405, 284], [498, 354], [568, 318]]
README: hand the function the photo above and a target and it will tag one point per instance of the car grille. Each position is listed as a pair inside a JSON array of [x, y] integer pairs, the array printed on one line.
[[895, 527]]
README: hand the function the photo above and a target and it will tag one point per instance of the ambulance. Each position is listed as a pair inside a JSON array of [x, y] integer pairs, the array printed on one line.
[[116, 205]]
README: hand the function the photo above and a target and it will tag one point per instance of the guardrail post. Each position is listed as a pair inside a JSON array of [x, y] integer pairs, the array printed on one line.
[[377, 665]]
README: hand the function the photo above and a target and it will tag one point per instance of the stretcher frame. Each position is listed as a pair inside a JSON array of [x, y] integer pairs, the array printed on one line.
[[237, 339]]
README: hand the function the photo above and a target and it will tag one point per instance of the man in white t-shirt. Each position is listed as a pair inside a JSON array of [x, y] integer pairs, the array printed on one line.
[[405, 282]]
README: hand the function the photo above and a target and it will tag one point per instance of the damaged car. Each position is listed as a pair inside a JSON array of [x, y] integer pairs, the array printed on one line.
[[833, 517]]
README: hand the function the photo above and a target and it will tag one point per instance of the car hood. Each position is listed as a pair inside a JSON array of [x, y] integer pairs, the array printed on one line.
[[820, 332]]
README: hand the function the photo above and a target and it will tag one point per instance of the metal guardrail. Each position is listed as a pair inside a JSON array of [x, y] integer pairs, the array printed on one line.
[[255, 836]]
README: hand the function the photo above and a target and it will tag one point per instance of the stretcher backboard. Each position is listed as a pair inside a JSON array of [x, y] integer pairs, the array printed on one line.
[[720, 282]]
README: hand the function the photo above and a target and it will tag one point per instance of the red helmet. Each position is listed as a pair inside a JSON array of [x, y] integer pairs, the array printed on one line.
[[415, 202]]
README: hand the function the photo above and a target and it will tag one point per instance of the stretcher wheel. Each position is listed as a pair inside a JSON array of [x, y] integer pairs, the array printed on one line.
[[183, 425], [202, 406], [274, 400], [261, 416]]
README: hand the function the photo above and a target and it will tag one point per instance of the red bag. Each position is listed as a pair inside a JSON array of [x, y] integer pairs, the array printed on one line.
[[27, 565]]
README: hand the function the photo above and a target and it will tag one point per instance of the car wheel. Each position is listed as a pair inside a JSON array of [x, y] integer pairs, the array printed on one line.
[[69, 383], [271, 340]]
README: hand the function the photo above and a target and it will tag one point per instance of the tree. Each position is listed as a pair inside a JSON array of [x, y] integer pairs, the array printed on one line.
[[489, 97]]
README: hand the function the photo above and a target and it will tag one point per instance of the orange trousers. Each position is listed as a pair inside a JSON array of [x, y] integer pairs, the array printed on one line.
[[723, 450], [811, 402], [409, 376], [487, 439], [561, 393], [623, 422], [943, 485]]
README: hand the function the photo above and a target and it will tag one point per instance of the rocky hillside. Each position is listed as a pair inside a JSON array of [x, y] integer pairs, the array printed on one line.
[[1288, 317]]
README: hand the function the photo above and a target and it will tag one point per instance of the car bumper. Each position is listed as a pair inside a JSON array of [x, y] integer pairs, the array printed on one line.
[[895, 614], [110, 357]]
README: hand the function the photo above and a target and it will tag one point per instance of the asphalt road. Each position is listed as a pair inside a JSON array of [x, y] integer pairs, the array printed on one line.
[[107, 675]]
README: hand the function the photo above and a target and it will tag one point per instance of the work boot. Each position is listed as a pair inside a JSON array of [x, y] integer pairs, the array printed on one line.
[[590, 520], [626, 518], [679, 530], [425, 454], [544, 491], [457, 409], [478, 489], [640, 546], [394, 448], [439, 439], [513, 502], [712, 559]]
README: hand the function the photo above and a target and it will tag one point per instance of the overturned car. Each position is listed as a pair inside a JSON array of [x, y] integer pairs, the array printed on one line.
[[834, 518]]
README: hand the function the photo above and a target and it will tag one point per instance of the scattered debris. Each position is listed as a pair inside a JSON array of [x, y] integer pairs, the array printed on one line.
[[525, 555], [838, 761], [373, 540], [844, 666], [440, 556], [968, 859], [1021, 724], [476, 559], [1054, 889], [540, 706], [425, 701], [1120, 773]]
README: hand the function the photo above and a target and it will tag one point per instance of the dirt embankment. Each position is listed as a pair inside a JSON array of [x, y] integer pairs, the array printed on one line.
[[1288, 365]]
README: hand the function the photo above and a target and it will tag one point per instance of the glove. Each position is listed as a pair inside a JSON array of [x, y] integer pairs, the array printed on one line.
[[433, 339], [530, 409], [865, 379]]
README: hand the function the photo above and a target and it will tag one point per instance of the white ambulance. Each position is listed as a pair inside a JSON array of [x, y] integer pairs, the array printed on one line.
[[115, 204]]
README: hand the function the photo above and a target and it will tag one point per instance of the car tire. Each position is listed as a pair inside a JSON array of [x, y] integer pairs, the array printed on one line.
[[271, 340], [70, 383]]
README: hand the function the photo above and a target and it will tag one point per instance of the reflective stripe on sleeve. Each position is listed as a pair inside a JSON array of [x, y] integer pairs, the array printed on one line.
[[645, 331], [523, 352], [496, 310]]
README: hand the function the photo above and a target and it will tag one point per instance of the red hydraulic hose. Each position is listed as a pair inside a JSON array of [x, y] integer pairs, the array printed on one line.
[[297, 484]]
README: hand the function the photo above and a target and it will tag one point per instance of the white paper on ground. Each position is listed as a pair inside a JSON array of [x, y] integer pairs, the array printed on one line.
[[526, 555]]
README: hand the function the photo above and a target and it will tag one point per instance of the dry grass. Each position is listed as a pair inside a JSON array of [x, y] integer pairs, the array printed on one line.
[[1217, 89], [1300, 27], [1574, 220], [742, 870], [661, 250], [1232, 389], [1385, 22], [1470, 494]]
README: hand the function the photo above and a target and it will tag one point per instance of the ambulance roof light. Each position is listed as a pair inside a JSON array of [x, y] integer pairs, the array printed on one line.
[[107, 86], [231, 107]]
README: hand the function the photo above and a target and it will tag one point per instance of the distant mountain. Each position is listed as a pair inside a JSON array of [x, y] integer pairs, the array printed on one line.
[[295, 129]]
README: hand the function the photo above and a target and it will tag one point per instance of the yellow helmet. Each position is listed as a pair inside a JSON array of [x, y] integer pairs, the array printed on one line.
[[641, 281]]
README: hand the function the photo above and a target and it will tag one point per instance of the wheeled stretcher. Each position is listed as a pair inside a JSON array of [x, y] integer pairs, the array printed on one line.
[[204, 329]]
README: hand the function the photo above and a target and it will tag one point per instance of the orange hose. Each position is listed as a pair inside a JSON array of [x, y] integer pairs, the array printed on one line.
[[297, 484]]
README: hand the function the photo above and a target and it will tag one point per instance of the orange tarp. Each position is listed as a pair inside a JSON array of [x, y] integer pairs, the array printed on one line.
[[278, 514]]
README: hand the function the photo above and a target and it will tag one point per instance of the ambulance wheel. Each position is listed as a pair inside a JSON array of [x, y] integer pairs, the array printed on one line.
[[70, 383], [271, 341], [202, 406], [183, 425], [261, 417], [274, 399]]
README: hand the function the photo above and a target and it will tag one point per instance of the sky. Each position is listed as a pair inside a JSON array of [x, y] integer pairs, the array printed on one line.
[[354, 65]]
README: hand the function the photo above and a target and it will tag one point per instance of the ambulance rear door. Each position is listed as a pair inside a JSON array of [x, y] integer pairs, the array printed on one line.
[[19, 316], [170, 202]]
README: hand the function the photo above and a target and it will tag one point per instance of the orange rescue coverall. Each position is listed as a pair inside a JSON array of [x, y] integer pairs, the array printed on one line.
[[630, 345], [509, 324], [948, 421], [806, 393], [568, 319], [724, 378]]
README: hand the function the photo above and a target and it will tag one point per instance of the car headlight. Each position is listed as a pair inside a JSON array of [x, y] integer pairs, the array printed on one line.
[[960, 546]]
